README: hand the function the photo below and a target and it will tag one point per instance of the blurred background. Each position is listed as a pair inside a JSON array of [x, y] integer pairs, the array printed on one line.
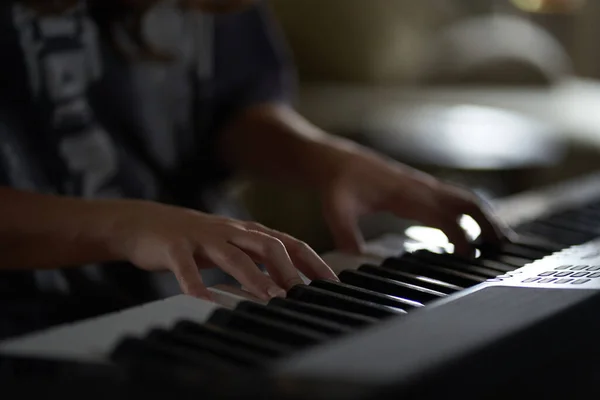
[[498, 95]]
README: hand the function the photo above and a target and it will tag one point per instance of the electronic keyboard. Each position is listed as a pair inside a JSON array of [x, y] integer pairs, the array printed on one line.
[[408, 318]]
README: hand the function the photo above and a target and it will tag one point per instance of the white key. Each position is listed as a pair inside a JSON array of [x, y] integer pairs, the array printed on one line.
[[93, 339]]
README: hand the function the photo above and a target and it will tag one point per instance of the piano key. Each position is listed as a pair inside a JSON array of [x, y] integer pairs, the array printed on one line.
[[400, 303], [265, 328], [134, 351], [506, 260], [294, 318], [585, 213], [313, 295], [237, 355], [94, 336], [331, 314], [452, 276], [389, 286], [265, 347], [567, 238], [451, 261], [407, 277], [514, 250], [535, 243], [585, 217], [571, 226]]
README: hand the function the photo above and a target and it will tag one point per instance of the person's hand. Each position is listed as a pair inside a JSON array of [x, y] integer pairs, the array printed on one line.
[[365, 183], [157, 237]]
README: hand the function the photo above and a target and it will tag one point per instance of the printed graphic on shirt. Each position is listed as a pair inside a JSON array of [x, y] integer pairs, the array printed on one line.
[[62, 57]]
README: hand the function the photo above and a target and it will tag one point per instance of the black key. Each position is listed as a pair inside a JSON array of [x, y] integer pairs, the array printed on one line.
[[451, 261], [185, 342], [515, 250], [594, 275], [563, 274], [567, 238], [572, 225], [143, 352], [547, 273], [449, 275], [414, 279], [366, 295], [388, 286], [502, 262], [535, 244], [293, 318], [313, 295], [264, 347], [579, 274], [341, 317], [584, 215], [265, 328]]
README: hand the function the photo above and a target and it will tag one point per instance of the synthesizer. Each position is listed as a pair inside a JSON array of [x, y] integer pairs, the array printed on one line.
[[407, 318]]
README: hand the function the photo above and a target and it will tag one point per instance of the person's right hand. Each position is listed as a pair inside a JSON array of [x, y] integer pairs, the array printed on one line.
[[156, 237]]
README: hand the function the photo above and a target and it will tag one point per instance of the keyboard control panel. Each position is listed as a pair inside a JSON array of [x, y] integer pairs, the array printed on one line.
[[576, 267]]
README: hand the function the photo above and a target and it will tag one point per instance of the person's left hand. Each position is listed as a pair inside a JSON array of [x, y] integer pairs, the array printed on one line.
[[365, 183]]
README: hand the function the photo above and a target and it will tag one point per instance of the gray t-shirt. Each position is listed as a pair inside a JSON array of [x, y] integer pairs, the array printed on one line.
[[76, 118]]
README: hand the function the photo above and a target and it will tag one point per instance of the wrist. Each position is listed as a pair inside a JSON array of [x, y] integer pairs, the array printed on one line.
[[107, 227], [327, 159]]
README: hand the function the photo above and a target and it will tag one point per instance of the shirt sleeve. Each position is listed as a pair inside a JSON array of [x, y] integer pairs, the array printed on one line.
[[252, 65]]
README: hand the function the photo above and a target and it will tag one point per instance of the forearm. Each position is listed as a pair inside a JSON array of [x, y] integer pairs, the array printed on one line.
[[46, 232], [275, 142]]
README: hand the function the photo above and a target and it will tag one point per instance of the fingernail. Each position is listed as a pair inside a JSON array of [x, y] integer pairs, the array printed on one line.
[[275, 291]]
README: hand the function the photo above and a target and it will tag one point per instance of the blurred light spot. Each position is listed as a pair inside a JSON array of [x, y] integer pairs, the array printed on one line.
[[549, 6], [470, 226], [435, 240]]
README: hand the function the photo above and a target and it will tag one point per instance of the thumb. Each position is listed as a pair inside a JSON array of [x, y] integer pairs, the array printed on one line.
[[342, 220]]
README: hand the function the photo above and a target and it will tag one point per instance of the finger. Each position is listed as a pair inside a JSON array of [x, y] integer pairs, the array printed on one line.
[[457, 236], [302, 255], [183, 265], [239, 265], [342, 222], [492, 230], [272, 253]]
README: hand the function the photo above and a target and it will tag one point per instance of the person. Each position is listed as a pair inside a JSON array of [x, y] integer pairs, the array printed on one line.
[[112, 146]]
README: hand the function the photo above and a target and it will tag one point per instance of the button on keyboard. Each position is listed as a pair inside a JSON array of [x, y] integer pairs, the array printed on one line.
[[580, 281], [579, 274], [547, 273], [578, 267], [547, 280], [561, 281], [594, 275], [593, 268], [563, 274], [563, 267], [529, 280]]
